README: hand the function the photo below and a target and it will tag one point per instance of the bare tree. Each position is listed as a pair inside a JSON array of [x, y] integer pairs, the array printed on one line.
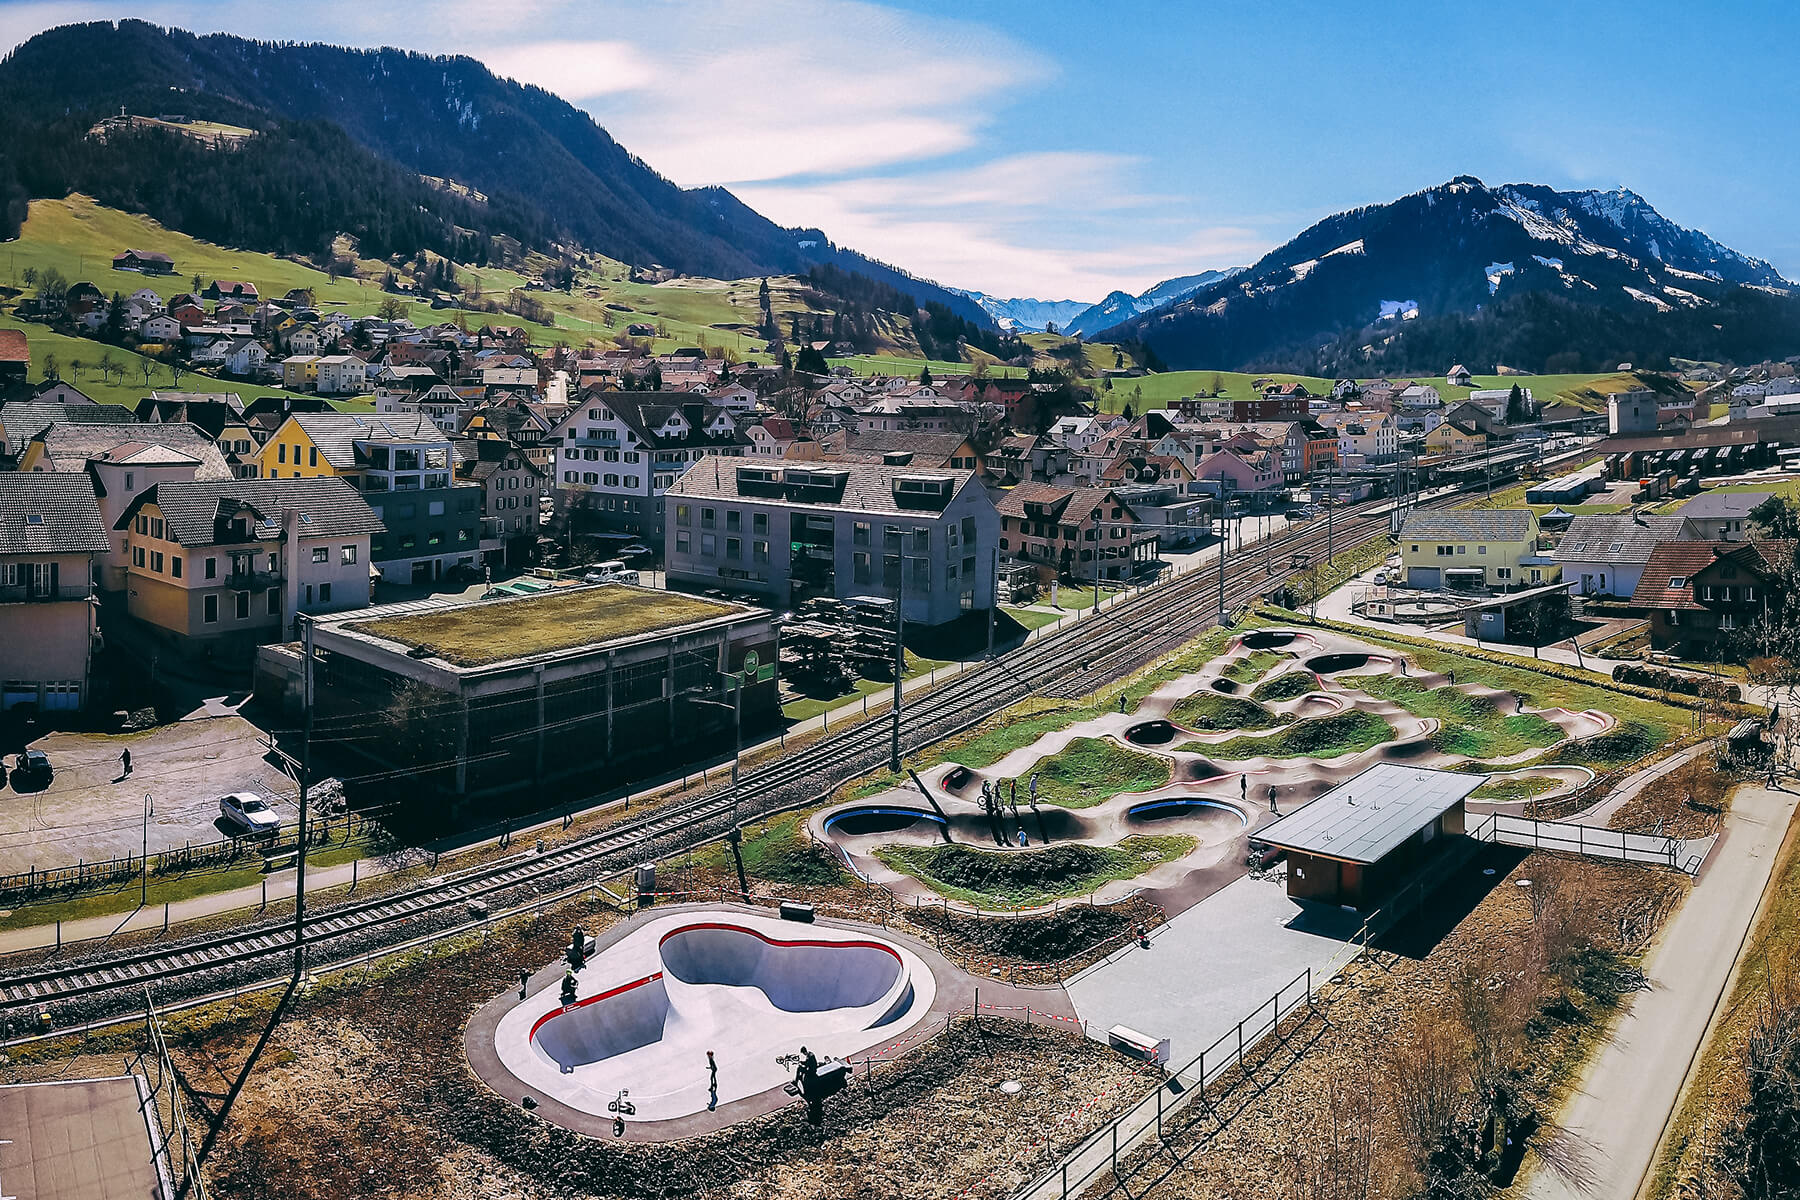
[[1425, 1065], [1332, 1155]]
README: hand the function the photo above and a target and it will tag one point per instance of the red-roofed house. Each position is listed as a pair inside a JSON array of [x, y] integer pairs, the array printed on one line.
[[230, 289], [1702, 595], [15, 356]]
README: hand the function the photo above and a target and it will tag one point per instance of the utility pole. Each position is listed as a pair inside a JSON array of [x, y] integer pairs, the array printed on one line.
[[306, 690], [993, 599], [899, 666], [1330, 496], [144, 863], [1224, 541]]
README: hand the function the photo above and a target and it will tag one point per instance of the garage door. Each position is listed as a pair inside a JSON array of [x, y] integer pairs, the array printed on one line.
[[1424, 577]]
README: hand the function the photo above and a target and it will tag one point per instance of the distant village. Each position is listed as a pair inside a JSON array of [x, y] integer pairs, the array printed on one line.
[[208, 521]]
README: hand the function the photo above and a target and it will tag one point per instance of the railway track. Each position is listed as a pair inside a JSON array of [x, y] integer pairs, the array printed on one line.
[[1072, 661]]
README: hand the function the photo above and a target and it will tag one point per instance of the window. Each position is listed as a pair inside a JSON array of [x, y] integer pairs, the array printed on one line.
[[312, 456], [1678, 581], [611, 481], [1749, 592], [434, 508], [156, 561], [324, 593], [683, 542], [708, 518], [1462, 549], [1706, 592], [921, 573], [759, 523], [734, 548], [1446, 551], [212, 568], [1415, 548], [274, 564], [211, 608], [859, 534], [137, 556], [1481, 549], [709, 545], [760, 551], [1674, 616], [347, 555], [243, 605], [321, 554], [921, 541], [175, 565], [890, 570], [272, 601], [734, 521], [859, 565], [683, 515], [281, 452]]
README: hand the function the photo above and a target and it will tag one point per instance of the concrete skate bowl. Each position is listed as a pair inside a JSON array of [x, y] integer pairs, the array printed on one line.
[[749, 988], [1227, 686], [874, 820], [1212, 821], [1339, 663], [1151, 733], [1274, 639]]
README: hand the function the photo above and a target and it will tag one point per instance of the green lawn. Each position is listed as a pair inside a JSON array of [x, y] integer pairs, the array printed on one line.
[[1254, 666], [1321, 737], [780, 851], [1029, 877], [1472, 726], [1162, 390], [1290, 686], [1032, 618], [1505, 791], [1210, 710], [1090, 771]]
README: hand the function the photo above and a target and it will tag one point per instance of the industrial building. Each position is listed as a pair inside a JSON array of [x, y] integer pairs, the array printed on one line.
[[576, 689]]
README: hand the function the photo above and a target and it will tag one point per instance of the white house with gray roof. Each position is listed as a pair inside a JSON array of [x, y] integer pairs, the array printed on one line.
[[50, 531], [1604, 555]]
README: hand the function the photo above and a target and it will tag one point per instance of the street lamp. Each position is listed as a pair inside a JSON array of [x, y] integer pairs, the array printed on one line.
[[144, 865]]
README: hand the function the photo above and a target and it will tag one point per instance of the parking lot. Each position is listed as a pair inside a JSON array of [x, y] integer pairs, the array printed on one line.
[[88, 812]]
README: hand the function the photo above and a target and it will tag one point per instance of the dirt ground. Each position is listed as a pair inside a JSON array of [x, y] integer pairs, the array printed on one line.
[[1331, 1070], [365, 1092], [1688, 802]]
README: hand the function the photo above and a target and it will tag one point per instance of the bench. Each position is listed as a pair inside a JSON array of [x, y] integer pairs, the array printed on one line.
[[1127, 1040], [280, 862], [794, 910]]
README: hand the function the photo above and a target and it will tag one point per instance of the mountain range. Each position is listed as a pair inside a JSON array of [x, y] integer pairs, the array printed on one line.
[[1085, 318], [1539, 272], [527, 164]]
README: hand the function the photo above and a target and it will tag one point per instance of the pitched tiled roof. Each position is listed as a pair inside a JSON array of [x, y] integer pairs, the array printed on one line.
[[1668, 579], [13, 347], [1617, 537], [336, 433], [49, 514], [864, 487], [927, 449], [328, 507], [1471, 525], [68, 446], [1070, 505], [23, 420]]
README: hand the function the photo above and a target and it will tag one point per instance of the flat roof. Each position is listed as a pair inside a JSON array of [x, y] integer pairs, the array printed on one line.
[[80, 1139], [489, 631], [1364, 819]]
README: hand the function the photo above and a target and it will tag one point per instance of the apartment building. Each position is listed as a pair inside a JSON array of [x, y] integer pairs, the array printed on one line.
[[794, 531]]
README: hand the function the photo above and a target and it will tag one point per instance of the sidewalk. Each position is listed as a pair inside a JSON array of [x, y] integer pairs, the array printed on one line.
[[1611, 1127]]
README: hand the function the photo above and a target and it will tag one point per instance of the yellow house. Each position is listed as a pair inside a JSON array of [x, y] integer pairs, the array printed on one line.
[[1449, 439], [307, 445], [1474, 548], [300, 372]]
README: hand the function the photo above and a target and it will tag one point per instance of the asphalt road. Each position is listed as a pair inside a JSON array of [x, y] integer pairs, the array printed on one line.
[[1611, 1127]]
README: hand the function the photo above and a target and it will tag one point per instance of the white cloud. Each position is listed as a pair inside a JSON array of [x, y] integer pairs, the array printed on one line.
[[825, 113]]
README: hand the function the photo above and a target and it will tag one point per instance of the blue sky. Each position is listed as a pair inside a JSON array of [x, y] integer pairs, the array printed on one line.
[[1061, 149]]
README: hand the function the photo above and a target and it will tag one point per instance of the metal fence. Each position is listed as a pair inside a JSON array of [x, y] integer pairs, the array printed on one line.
[[222, 855], [1595, 841]]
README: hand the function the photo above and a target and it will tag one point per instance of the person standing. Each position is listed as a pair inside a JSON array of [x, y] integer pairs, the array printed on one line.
[[1034, 789], [125, 764]]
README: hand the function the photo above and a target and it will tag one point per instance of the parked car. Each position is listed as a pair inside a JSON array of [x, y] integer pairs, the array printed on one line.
[[1381, 576], [1262, 856], [634, 550], [32, 767], [250, 813]]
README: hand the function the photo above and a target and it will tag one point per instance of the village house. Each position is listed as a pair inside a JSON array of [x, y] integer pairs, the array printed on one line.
[[217, 569], [511, 488], [1702, 597], [621, 451], [148, 262], [1079, 533], [1604, 554], [341, 375], [1481, 548], [50, 532]]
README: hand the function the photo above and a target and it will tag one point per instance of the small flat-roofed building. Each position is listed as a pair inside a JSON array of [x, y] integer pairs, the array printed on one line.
[[575, 688], [1356, 844], [83, 1139]]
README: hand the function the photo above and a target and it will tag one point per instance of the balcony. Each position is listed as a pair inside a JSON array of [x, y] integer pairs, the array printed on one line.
[[250, 581], [30, 594]]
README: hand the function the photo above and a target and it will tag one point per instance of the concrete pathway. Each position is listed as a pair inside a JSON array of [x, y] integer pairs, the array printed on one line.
[[1611, 1127]]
